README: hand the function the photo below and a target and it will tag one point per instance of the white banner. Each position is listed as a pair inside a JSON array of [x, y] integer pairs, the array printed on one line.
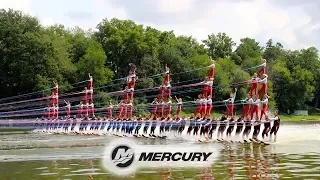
[[124, 156]]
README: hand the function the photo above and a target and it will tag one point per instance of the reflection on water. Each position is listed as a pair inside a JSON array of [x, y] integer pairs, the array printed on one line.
[[236, 162], [79, 157]]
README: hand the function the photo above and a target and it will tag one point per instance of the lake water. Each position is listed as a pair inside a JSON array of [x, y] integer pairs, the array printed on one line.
[[296, 155]]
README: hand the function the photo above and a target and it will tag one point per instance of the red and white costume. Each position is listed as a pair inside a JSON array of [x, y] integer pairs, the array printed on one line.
[[56, 109], [166, 76], [48, 112], [264, 108], [57, 99], [205, 89], [110, 110], [56, 89], [87, 109], [255, 110], [154, 105], [121, 109], [80, 109], [262, 69], [91, 109], [90, 94], [254, 86], [129, 110], [179, 108], [85, 96], [264, 87], [230, 106], [132, 81], [124, 111], [90, 84], [209, 106], [168, 90], [131, 91], [211, 73], [246, 109], [52, 99], [68, 106], [168, 108], [203, 106], [199, 106], [161, 109], [161, 92], [126, 94]]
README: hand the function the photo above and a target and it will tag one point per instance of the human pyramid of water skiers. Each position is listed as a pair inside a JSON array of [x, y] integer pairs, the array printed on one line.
[[160, 111]]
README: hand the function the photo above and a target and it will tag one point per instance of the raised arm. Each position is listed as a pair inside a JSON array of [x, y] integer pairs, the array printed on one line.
[[176, 98], [264, 101], [235, 94], [262, 80]]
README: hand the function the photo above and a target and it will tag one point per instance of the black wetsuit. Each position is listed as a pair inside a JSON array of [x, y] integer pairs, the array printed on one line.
[[74, 123], [153, 126], [202, 128], [266, 129], [247, 128], [93, 124], [110, 125], [139, 124], [222, 126], [168, 125], [129, 125], [162, 125], [118, 124], [275, 127], [123, 127], [239, 127], [103, 124], [191, 126], [182, 125], [66, 125], [231, 127], [196, 126], [213, 127], [256, 129], [98, 125], [146, 127], [133, 126]]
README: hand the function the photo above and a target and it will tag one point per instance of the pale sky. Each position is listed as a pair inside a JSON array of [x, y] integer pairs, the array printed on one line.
[[294, 23]]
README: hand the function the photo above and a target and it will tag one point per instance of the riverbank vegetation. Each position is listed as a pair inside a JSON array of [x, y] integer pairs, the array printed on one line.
[[33, 55]]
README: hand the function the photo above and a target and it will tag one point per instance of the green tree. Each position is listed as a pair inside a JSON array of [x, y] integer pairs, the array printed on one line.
[[219, 46], [93, 62], [273, 52], [248, 48], [24, 54]]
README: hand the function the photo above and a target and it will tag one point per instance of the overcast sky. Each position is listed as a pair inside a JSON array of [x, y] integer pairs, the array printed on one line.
[[295, 23]]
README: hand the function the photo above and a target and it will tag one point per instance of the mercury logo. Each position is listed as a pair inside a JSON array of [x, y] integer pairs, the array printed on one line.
[[122, 156]]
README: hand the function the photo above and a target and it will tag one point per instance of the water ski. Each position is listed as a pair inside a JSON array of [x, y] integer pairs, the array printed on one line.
[[266, 143], [162, 137], [257, 141], [203, 141], [144, 136]]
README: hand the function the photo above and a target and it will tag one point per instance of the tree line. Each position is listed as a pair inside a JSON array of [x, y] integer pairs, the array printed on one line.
[[33, 55]]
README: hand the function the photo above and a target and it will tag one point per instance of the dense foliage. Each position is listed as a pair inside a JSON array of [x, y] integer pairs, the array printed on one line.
[[32, 56]]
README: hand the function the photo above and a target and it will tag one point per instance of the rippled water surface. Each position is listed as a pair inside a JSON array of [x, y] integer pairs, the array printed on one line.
[[296, 155]]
